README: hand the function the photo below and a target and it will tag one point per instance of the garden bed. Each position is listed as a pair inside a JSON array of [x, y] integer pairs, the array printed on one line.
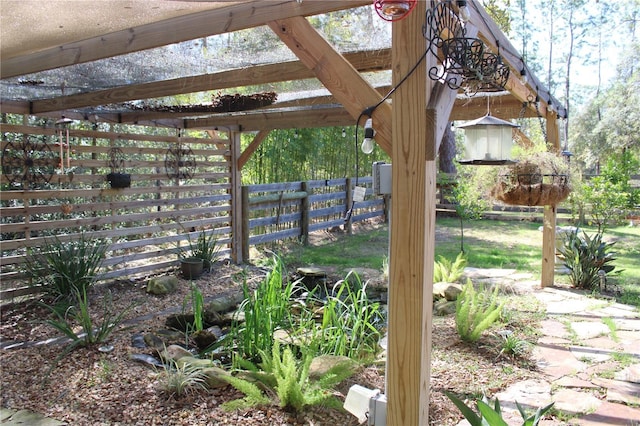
[[88, 387]]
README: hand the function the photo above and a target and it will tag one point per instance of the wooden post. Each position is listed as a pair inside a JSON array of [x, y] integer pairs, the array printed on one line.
[[237, 215], [412, 228], [245, 223], [348, 205], [549, 222], [304, 214]]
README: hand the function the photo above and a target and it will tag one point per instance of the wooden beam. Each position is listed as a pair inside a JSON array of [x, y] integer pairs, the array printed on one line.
[[236, 199], [365, 61], [412, 229], [253, 146], [174, 30], [491, 34], [336, 73]]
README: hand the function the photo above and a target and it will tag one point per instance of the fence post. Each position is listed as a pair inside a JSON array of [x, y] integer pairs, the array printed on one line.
[[387, 205], [304, 214], [348, 205], [245, 224]]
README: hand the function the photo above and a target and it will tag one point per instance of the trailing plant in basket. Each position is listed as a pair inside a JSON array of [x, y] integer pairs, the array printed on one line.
[[538, 179], [585, 256], [65, 268]]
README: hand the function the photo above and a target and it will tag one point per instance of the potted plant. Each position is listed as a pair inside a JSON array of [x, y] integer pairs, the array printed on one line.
[[539, 179], [117, 179], [200, 254]]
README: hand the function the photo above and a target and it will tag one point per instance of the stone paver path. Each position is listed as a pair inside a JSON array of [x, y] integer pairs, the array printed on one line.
[[589, 358]]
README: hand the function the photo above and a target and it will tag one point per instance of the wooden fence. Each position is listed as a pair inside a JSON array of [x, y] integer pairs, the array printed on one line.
[[272, 212], [178, 184]]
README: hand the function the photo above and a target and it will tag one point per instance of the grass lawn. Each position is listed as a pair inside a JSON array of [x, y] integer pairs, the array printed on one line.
[[487, 244]]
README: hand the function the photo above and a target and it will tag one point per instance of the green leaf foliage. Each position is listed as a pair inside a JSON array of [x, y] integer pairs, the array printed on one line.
[[585, 256], [476, 311], [448, 271]]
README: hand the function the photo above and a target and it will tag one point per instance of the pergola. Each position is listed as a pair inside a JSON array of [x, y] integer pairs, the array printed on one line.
[[40, 36]]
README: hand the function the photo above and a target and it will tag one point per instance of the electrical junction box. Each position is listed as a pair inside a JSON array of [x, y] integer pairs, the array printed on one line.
[[381, 172]]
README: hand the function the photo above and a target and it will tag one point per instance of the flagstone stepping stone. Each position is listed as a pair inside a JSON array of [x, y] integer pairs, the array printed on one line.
[[553, 328], [528, 393], [609, 413], [629, 374], [574, 382], [575, 402], [620, 391], [587, 329], [627, 324], [555, 361], [590, 354], [27, 418]]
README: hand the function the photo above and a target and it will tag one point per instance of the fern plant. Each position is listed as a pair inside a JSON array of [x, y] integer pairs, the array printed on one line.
[[446, 271], [476, 311], [288, 378]]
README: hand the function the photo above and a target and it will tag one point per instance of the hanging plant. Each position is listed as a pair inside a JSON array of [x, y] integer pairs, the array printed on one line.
[[540, 179], [117, 179]]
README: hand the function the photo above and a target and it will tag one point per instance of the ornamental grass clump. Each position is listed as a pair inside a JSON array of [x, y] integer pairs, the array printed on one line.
[[476, 311], [64, 268]]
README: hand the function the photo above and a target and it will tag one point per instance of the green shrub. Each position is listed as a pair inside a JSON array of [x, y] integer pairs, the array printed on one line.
[[64, 267], [476, 311], [584, 257], [446, 271]]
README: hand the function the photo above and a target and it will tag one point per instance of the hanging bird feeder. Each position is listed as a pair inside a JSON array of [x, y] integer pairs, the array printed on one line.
[[487, 141]]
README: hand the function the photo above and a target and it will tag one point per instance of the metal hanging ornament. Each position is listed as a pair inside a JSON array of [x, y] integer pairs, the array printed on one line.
[[464, 62], [180, 162], [27, 162]]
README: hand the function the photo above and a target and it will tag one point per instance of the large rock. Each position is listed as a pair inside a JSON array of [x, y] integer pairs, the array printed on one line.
[[194, 362], [213, 377], [322, 364], [174, 353], [444, 307], [449, 291], [162, 285]]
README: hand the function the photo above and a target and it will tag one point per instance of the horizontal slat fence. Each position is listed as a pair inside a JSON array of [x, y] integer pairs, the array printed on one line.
[[145, 224]]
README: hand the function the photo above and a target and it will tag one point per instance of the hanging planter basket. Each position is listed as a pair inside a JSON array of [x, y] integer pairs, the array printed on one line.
[[528, 184]]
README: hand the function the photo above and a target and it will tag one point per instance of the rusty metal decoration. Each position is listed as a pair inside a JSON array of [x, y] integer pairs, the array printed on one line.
[[180, 162], [27, 162], [464, 62]]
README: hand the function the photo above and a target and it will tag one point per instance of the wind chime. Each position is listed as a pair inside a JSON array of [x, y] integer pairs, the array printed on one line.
[[63, 140]]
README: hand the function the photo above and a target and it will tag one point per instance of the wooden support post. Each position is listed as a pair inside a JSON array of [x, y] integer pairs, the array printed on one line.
[[304, 214], [412, 229], [549, 222], [245, 223], [237, 251]]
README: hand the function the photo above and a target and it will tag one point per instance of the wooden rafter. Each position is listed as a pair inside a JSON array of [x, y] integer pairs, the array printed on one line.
[[336, 73], [364, 61]]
